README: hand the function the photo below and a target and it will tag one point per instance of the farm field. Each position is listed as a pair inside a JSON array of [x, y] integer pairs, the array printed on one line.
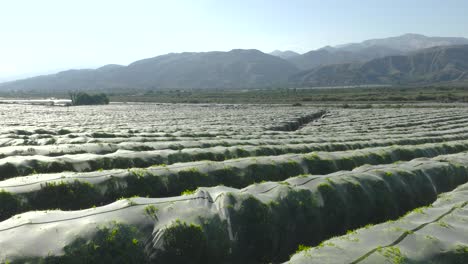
[[227, 183]]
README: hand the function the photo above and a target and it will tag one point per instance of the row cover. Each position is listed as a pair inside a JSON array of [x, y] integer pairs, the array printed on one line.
[[321, 134], [25, 165], [228, 126], [258, 224], [435, 234], [309, 145], [71, 191], [296, 123]]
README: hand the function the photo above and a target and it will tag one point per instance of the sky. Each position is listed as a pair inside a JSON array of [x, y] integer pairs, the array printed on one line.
[[47, 36]]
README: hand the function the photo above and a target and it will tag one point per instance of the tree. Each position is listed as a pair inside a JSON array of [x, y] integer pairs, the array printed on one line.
[[80, 98]]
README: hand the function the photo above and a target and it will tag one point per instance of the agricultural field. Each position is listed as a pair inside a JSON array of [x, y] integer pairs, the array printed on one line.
[[228, 183]]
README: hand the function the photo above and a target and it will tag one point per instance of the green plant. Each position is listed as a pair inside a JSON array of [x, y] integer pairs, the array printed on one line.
[[392, 254], [188, 192], [151, 211], [66, 196], [81, 98], [182, 243], [117, 243], [9, 205], [302, 248]]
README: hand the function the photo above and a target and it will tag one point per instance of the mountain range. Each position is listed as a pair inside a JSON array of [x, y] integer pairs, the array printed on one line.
[[432, 65], [405, 59]]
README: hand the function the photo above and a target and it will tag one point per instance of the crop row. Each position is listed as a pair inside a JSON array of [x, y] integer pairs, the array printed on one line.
[[302, 145], [71, 191], [261, 223], [26, 165], [322, 134], [437, 231]]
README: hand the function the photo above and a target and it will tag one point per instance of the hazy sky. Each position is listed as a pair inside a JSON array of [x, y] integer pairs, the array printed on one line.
[[50, 35]]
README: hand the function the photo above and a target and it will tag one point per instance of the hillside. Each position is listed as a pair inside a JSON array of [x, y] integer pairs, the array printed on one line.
[[406, 43], [235, 69], [371, 49], [439, 64], [330, 55]]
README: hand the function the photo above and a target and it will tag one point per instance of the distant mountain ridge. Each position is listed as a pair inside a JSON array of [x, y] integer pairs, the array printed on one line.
[[396, 60], [330, 55], [432, 65], [406, 43], [371, 49], [235, 69], [287, 54]]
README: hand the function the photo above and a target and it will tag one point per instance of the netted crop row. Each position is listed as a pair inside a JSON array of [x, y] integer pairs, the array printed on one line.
[[352, 123], [435, 234], [379, 130], [40, 137], [26, 165], [240, 172], [173, 179], [375, 116], [118, 123], [73, 156], [166, 118], [389, 116], [258, 224], [297, 123], [407, 122], [302, 145]]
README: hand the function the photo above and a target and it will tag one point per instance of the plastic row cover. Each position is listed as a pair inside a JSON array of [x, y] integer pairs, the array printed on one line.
[[261, 223]]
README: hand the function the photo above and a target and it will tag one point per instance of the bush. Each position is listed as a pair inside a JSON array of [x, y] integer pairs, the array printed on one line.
[[87, 99]]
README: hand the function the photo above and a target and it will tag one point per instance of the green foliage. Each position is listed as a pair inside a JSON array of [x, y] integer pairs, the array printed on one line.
[[302, 247], [118, 243], [307, 228], [188, 192], [218, 243], [8, 170], [334, 210], [207, 242], [392, 255], [9, 205], [142, 185], [253, 225], [182, 243], [66, 196], [82, 98], [151, 211]]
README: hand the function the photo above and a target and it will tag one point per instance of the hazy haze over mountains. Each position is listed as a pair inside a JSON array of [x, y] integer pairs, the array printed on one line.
[[409, 58]]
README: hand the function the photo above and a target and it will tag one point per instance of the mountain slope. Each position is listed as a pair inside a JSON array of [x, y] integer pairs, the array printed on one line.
[[371, 49], [406, 43], [235, 69], [330, 55], [439, 64]]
